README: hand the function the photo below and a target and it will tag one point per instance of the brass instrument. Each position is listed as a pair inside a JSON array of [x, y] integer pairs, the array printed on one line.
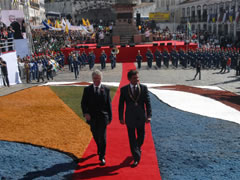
[[115, 51]]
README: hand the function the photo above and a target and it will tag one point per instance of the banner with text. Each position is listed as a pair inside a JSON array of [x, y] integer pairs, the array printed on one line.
[[159, 16]]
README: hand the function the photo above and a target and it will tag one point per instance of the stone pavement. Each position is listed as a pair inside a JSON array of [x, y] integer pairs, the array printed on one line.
[[226, 81]]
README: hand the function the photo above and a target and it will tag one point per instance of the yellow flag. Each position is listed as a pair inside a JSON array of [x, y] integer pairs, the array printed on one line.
[[66, 29], [230, 18], [57, 25], [88, 23], [14, 2], [213, 19], [84, 22], [49, 22]]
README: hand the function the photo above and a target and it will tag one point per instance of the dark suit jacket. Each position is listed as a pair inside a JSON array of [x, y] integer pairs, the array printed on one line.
[[135, 116], [98, 106]]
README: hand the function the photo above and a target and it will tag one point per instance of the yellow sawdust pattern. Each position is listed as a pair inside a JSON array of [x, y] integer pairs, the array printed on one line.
[[39, 117]]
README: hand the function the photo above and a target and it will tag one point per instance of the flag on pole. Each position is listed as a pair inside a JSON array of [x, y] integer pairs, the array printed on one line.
[[63, 22], [189, 28], [27, 2], [84, 22], [88, 23], [214, 18], [49, 22], [14, 2], [237, 16], [66, 29]]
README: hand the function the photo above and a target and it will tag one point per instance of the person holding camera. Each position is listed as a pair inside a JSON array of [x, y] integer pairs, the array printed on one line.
[[4, 71]]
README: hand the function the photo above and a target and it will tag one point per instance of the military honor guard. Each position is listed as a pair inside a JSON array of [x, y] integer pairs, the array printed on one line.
[[139, 59], [158, 58], [149, 57]]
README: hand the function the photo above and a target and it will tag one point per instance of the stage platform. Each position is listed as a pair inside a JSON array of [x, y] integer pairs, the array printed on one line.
[[127, 53]]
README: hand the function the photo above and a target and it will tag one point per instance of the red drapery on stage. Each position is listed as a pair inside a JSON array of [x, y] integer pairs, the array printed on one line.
[[128, 53]]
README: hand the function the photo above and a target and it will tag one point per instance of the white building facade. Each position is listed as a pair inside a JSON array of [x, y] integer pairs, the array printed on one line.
[[218, 17], [34, 8]]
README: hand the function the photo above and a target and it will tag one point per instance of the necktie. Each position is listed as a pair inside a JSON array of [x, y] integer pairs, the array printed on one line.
[[96, 90], [134, 91]]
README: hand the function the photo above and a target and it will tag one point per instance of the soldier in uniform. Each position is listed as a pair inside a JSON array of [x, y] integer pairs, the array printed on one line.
[[91, 60], [158, 58], [198, 70], [103, 59], [238, 66], [166, 58], [139, 59], [149, 57], [112, 58], [75, 66], [84, 58], [70, 59]]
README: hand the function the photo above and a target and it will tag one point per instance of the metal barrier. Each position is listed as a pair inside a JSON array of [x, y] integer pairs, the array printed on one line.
[[6, 45]]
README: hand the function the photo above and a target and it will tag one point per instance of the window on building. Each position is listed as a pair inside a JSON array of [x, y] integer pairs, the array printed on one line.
[[183, 12], [193, 11], [162, 3], [199, 12], [188, 12]]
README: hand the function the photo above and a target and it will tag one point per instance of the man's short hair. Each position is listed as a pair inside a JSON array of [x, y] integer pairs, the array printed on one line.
[[131, 73], [97, 73]]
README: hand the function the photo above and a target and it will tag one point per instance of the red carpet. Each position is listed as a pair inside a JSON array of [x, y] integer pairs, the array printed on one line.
[[118, 155]]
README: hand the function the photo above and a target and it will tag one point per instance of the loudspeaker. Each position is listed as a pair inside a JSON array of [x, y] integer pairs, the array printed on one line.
[[99, 46], [86, 47], [123, 45], [111, 46], [169, 44], [138, 19], [78, 47], [155, 44], [162, 44], [132, 45]]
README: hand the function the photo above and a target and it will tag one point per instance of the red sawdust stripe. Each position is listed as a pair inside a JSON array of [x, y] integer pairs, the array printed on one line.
[[118, 155], [225, 97]]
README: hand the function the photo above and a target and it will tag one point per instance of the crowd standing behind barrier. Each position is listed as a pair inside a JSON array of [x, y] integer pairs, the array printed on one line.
[[45, 66], [48, 43]]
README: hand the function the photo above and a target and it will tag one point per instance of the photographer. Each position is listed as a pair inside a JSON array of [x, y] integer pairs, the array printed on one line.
[[3, 66]]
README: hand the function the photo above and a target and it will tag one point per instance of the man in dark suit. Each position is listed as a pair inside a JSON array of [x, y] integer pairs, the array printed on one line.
[[136, 97], [97, 109]]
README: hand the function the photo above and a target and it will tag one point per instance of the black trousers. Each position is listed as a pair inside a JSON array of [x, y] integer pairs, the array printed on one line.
[[198, 72], [5, 80], [49, 74], [136, 139], [99, 131], [139, 64]]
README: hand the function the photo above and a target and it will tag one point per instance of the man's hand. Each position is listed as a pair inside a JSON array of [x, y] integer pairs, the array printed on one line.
[[148, 120], [122, 121], [87, 117]]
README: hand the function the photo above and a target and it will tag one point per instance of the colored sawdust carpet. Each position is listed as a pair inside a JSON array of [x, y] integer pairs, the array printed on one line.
[[39, 117], [118, 155]]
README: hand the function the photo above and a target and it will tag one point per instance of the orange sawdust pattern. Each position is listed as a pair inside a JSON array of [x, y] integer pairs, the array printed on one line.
[[39, 117]]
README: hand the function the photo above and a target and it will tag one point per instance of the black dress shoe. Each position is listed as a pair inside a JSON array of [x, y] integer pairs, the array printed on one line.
[[135, 164], [102, 162]]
